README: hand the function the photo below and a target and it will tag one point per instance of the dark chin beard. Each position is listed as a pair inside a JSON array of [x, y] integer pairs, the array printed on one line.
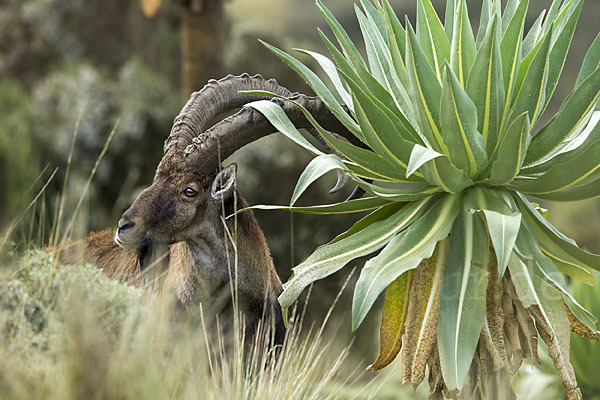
[[143, 251]]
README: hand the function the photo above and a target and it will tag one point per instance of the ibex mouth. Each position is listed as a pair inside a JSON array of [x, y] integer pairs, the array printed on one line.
[[131, 243]]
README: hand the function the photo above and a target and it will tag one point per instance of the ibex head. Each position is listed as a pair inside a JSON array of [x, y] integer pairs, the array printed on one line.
[[188, 187], [172, 208]]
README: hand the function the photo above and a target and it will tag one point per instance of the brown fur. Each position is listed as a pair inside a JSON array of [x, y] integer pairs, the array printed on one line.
[[185, 239]]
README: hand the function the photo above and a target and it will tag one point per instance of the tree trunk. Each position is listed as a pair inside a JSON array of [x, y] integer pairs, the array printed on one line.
[[203, 41]]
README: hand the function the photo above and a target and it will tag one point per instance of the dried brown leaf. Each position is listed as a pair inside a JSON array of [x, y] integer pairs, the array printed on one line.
[[558, 350], [494, 317], [579, 327], [511, 326], [528, 332], [436, 380], [422, 315]]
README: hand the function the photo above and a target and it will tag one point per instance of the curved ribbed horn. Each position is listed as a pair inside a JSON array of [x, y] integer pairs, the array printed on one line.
[[204, 148], [248, 125], [216, 98]]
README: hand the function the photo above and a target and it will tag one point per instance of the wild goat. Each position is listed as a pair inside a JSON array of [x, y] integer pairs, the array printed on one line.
[[178, 224]]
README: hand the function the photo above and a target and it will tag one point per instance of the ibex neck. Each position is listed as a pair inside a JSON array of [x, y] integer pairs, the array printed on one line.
[[203, 266]]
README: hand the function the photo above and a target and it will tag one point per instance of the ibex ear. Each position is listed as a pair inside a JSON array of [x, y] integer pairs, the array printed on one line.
[[222, 186]]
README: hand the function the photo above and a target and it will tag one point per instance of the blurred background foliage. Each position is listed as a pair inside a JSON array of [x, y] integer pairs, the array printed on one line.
[[99, 61]]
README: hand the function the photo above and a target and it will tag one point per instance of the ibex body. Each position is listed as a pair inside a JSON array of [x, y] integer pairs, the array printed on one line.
[[178, 225]]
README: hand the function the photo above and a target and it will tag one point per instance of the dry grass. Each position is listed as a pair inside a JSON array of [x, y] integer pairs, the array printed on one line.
[[68, 332]]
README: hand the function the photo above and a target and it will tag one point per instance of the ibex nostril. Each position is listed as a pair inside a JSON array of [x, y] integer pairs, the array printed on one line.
[[125, 226]]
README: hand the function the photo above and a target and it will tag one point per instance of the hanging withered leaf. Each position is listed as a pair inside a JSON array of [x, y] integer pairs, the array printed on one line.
[[393, 317], [150, 7], [557, 339], [579, 327], [422, 315]]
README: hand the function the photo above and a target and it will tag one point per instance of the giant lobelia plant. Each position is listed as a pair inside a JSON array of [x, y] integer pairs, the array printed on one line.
[[449, 121]]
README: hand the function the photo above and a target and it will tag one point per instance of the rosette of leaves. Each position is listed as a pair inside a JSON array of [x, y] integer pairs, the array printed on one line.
[[473, 272]]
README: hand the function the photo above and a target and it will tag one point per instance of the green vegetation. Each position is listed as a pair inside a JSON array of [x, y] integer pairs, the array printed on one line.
[[17, 150], [69, 332], [446, 118]]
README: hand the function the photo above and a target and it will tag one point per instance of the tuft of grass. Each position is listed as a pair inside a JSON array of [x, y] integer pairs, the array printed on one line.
[[69, 332]]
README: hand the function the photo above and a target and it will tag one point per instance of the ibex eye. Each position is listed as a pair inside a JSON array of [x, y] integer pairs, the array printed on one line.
[[189, 192]]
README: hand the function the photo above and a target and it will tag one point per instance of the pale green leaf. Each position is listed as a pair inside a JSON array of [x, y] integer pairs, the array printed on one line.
[[462, 304], [449, 18], [503, 230], [587, 192], [486, 87], [346, 207], [378, 215], [511, 151], [463, 48], [426, 91], [278, 118], [381, 128], [484, 21], [373, 14], [509, 11], [315, 169], [532, 39], [591, 62], [481, 245], [332, 257], [542, 244], [553, 14], [529, 249], [531, 95], [399, 194], [442, 173], [480, 198], [542, 228], [571, 115], [502, 222], [397, 41], [510, 49], [466, 146], [364, 159], [403, 253], [419, 156], [331, 71], [348, 47], [362, 77], [583, 136], [564, 176], [432, 36], [380, 61], [320, 89], [560, 48]]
